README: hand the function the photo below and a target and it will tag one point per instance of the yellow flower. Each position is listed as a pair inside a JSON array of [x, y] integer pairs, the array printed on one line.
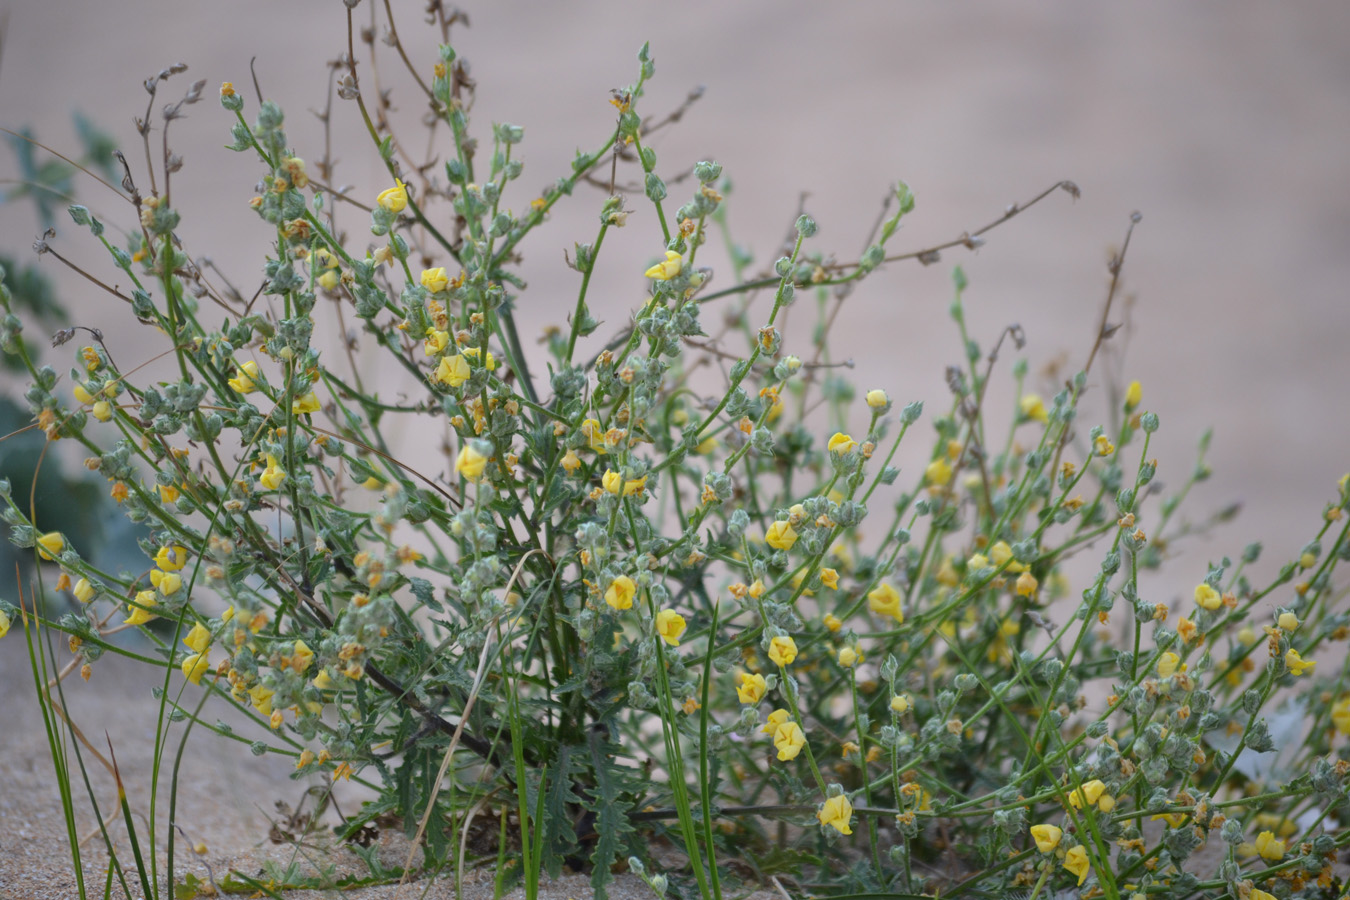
[[1269, 847], [595, 436], [751, 688], [570, 462], [1187, 630], [1027, 584], [782, 650], [1175, 820], [329, 280], [435, 280], [244, 381], [1088, 794], [1207, 598], [670, 625], [1001, 553], [1104, 446], [842, 443], [50, 545], [789, 740], [1167, 664], [884, 601], [394, 199], [262, 698], [1076, 861], [666, 270], [849, 657], [1046, 837], [273, 475], [167, 582], [1340, 712], [302, 656], [877, 398], [1297, 664], [199, 638], [323, 681], [830, 578], [82, 395], [470, 463], [620, 593], [306, 404], [435, 341], [141, 612], [195, 666], [1033, 407], [1133, 394], [1288, 622], [227, 89], [900, 703], [171, 558], [836, 812], [4, 623], [612, 481], [781, 535], [776, 718], [939, 472], [168, 493], [832, 622], [453, 371], [102, 410], [1258, 894], [84, 591]]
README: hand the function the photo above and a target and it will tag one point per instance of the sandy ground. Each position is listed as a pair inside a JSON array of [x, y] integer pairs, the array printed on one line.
[[1225, 124]]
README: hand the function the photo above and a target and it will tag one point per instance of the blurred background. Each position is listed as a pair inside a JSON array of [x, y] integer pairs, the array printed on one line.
[[1224, 124]]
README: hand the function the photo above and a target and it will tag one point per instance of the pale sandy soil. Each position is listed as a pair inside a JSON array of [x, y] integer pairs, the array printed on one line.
[[1224, 123]]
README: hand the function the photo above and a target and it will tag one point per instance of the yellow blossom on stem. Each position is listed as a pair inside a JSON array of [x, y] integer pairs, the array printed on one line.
[[167, 582], [670, 625], [171, 558], [262, 698], [1167, 664], [245, 381], [595, 436], [84, 591], [829, 578], [1207, 598], [612, 482], [938, 472], [570, 461], [664, 271], [435, 280], [620, 593], [435, 342], [836, 812], [302, 656], [199, 638], [329, 279], [1297, 664], [452, 370], [832, 622], [4, 623], [273, 475], [885, 601], [752, 687], [1104, 446], [1133, 394], [82, 395], [1046, 837], [1088, 794], [900, 704], [1269, 847], [842, 443], [51, 545], [102, 410], [1340, 714], [394, 199], [1002, 553], [195, 666], [782, 650], [470, 463], [877, 398], [1076, 861], [781, 535], [789, 740], [849, 657], [141, 612], [1027, 584], [1033, 407], [306, 404], [776, 719], [1288, 622]]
